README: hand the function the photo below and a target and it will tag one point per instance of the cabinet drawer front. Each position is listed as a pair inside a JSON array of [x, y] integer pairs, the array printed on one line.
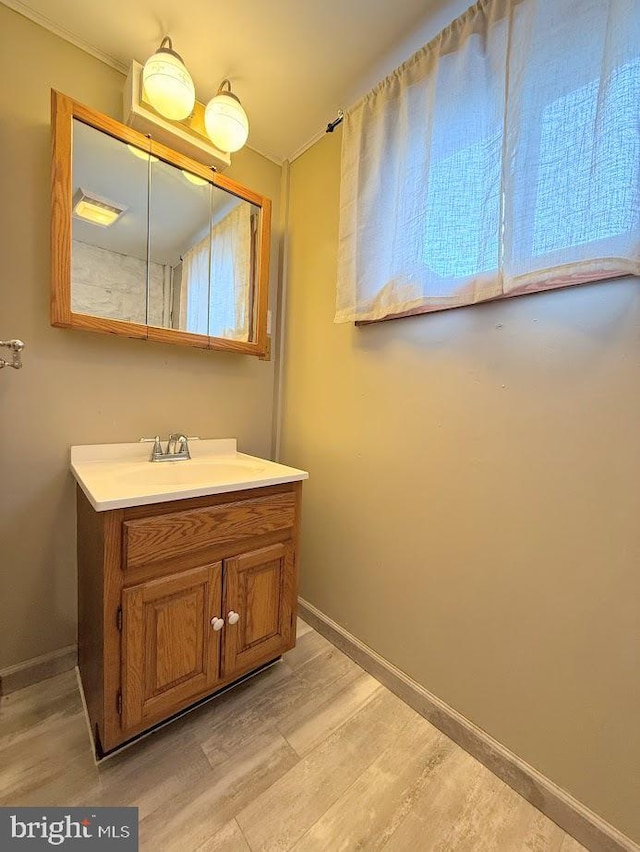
[[161, 538]]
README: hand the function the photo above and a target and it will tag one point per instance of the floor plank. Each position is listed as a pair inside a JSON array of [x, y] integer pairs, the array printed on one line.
[[366, 815], [199, 811], [278, 818], [308, 725], [228, 839], [310, 754]]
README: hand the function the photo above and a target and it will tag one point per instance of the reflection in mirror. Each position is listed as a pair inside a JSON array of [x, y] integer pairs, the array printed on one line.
[[179, 212], [109, 226], [234, 224], [205, 239], [150, 244]]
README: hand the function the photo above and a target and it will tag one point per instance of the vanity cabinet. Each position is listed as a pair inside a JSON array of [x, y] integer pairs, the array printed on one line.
[[178, 599]]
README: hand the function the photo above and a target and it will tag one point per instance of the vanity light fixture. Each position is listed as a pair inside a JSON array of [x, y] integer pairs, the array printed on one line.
[[225, 120], [96, 210], [167, 83], [194, 179], [142, 155]]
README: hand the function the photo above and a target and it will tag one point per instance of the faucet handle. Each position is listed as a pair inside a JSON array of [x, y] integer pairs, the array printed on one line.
[[157, 446]]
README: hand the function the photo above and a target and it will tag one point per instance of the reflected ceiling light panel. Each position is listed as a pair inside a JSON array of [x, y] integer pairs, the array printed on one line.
[[142, 155], [95, 209], [167, 84], [195, 179], [226, 121]]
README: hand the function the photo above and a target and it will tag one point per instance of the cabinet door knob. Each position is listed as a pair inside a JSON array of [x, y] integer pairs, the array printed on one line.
[[234, 618], [217, 623]]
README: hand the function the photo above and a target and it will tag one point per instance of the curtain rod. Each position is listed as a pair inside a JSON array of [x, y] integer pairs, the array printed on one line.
[[333, 124]]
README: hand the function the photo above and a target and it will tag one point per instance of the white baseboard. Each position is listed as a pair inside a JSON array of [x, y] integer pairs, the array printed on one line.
[[39, 668], [566, 811]]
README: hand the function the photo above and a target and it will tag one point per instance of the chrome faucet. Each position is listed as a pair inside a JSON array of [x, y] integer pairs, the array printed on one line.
[[177, 448]]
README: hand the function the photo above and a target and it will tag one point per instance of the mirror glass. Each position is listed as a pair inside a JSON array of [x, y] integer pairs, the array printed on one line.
[[203, 245], [109, 227], [234, 228], [156, 245], [179, 210]]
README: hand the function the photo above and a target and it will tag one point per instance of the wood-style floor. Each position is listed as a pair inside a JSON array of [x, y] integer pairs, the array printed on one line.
[[312, 754]]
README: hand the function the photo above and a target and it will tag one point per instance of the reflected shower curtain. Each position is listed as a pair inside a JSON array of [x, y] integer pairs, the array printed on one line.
[[216, 279], [230, 282]]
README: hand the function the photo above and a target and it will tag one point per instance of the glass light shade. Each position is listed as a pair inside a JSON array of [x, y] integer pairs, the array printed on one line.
[[168, 85], [226, 122]]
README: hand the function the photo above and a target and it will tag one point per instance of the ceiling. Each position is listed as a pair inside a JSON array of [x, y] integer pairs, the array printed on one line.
[[292, 63]]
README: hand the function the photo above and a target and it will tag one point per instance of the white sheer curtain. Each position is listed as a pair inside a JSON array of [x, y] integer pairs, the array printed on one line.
[[230, 291], [572, 182], [503, 157], [216, 279], [194, 288]]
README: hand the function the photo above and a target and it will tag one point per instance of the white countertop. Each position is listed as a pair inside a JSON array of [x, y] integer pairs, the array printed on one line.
[[117, 476]]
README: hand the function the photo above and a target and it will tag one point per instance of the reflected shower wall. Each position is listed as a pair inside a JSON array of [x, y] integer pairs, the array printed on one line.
[[113, 285]]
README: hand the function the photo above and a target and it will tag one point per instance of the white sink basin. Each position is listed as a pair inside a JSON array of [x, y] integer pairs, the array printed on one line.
[[117, 476], [192, 472]]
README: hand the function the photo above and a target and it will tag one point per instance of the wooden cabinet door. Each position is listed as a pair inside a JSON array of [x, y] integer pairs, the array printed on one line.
[[170, 651], [260, 588]]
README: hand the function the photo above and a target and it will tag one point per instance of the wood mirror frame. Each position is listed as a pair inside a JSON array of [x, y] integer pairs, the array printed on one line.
[[63, 112]]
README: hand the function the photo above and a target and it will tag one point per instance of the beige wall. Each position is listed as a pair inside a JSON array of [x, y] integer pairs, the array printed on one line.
[[473, 502], [77, 387]]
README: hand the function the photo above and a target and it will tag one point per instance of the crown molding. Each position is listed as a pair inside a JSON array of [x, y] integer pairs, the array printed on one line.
[[278, 161], [46, 23], [308, 144]]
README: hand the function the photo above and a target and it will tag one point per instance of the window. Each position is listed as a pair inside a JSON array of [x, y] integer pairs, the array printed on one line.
[[600, 167], [502, 158], [469, 214]]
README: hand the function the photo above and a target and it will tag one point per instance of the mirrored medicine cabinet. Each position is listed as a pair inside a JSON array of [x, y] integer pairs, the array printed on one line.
[[148, 243]]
